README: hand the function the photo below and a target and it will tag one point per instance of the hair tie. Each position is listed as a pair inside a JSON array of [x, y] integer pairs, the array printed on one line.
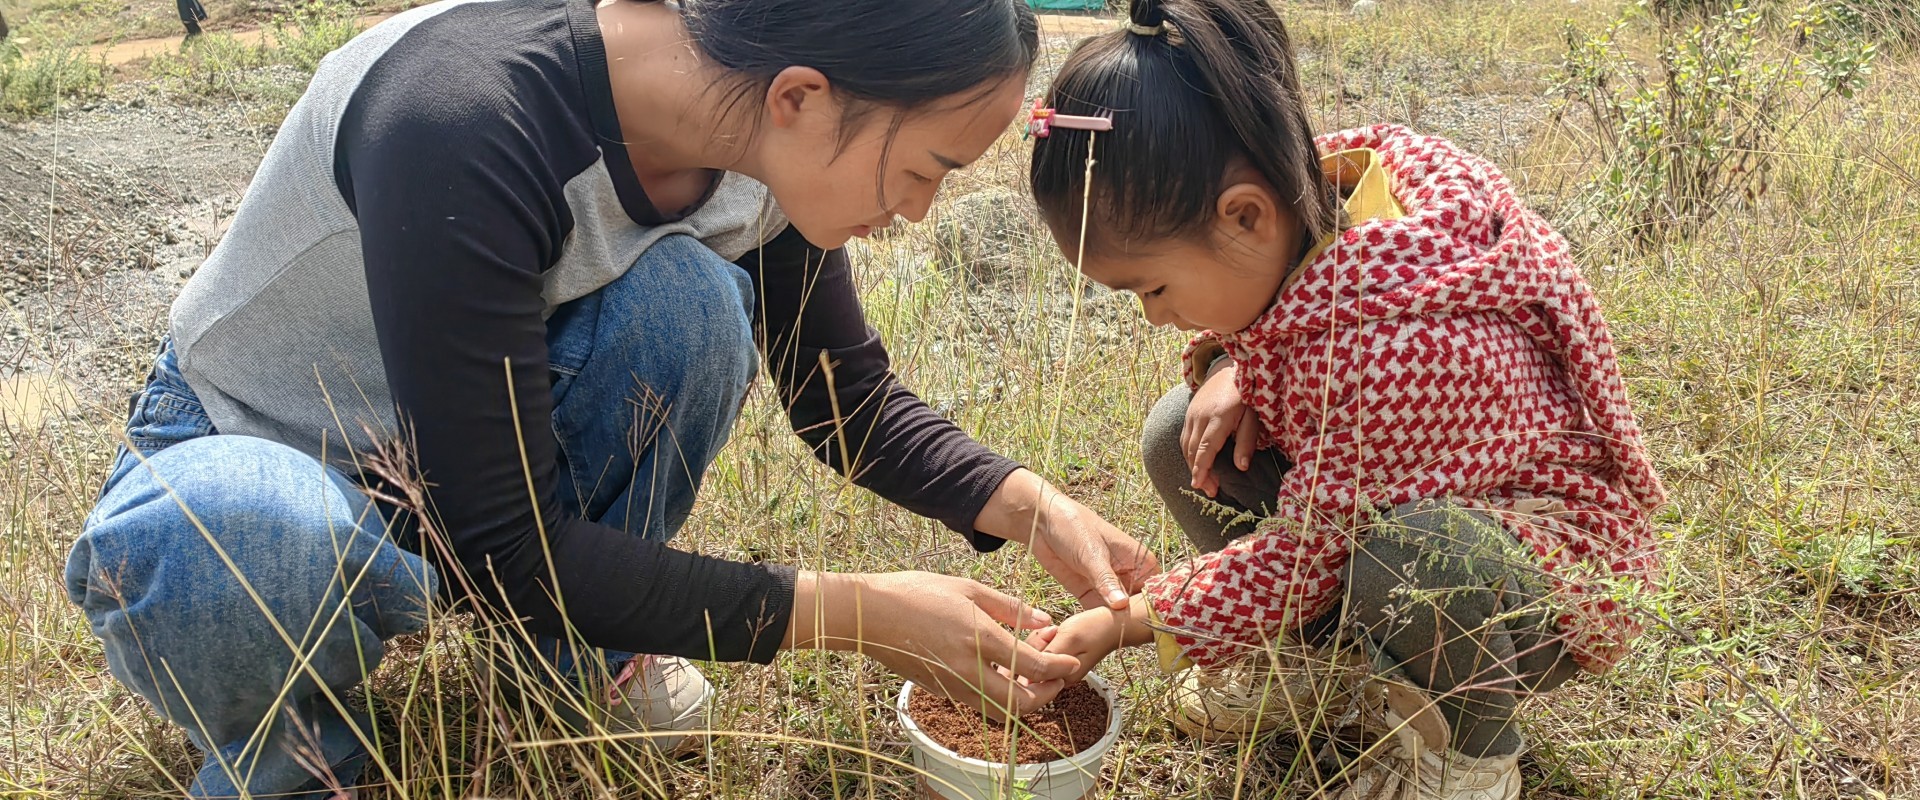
[[1138, 29], [1044, 119]]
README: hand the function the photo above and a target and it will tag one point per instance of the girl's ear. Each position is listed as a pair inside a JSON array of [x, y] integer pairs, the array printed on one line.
[[1248, 214], [796, 93]]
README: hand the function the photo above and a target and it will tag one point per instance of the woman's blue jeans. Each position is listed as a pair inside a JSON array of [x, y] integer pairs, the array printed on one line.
[[241, 586]]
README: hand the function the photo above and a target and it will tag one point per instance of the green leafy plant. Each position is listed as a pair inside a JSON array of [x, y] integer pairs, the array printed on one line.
[[215, 67], [308, 33], [1698, 131], [222, 68], [33, 83]]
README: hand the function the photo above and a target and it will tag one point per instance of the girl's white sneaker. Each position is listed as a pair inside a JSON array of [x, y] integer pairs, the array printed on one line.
[[1301, 687], [1418, 763]]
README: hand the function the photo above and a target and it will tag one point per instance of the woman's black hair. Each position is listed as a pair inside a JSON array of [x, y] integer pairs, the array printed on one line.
[[897, 54], [1194, 85]]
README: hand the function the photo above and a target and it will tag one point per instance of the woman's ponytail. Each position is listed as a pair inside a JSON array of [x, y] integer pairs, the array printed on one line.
[[1191, 85]]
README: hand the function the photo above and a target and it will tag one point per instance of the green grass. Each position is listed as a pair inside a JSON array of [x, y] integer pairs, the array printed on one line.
[[216, 67], [77, 22], [37, 78], [105, 21], [1774, 357], [310, 31]]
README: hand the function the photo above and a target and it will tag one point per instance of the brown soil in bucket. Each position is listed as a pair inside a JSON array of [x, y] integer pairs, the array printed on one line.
[[1073, 722]]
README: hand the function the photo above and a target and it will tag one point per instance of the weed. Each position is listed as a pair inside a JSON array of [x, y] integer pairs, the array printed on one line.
[[224, 68], [215, 67], [309, 32], [34, 83], [1699, 133]]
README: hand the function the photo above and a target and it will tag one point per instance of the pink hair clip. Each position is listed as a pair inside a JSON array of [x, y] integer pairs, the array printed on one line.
[[1045, 119]]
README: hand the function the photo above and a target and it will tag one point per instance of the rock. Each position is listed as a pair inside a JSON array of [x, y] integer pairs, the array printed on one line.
[[1366, 8]]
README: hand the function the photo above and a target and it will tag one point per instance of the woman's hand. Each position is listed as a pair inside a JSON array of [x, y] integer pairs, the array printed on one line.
[[1216, 413], [941, 632], [1095, 561]]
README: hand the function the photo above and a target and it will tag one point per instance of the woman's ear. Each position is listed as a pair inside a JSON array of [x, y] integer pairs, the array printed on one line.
[[1248, 214], [797, 94]]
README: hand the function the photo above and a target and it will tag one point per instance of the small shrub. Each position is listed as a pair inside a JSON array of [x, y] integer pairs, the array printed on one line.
[[1885, 20], [1879, 20], [213, 67], [33, 84], [222, 68], [1698, 131], [310, 32], [1675, 10]]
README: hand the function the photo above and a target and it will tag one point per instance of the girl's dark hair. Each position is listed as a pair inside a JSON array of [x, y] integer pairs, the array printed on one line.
[[900, 54], [1216, 83]]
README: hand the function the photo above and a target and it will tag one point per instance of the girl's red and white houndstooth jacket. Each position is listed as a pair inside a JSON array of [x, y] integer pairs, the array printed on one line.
[[1450, 352]]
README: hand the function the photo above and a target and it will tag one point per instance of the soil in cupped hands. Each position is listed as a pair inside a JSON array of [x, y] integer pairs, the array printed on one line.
[[1073, 722]]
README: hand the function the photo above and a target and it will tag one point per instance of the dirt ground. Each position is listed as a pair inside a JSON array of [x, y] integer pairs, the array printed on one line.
[[104, 213]]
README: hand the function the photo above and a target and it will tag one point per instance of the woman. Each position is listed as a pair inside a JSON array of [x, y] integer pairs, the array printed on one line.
[[532, 242]]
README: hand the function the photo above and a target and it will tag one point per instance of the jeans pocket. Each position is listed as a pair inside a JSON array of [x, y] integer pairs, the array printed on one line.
[[164, 416]]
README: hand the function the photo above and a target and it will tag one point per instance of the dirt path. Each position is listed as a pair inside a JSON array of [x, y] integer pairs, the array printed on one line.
[[127, 52], [120, 53]]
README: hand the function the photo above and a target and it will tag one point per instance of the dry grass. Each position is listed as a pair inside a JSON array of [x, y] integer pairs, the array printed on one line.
[[1774, 359]]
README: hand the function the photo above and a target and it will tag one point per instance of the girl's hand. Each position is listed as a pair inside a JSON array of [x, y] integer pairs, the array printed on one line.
[[1095, 561], [1092, 635], [1215, 414], [943, 633]]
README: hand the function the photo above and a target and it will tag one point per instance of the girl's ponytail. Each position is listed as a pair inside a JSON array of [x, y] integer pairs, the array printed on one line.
[[1147, 17], [1191, 86]]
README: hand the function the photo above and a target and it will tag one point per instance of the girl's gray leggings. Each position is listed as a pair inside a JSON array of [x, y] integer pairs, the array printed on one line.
[[1445, 592]]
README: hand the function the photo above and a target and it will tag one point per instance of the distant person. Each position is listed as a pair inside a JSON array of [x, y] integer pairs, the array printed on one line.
[[1400, 383], [191, 15], [545, 246]]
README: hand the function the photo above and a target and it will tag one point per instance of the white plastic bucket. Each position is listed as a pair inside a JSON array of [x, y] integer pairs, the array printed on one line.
[[946, 775]]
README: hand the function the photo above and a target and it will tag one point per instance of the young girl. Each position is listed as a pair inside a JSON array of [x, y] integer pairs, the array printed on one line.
[[1427, 419]]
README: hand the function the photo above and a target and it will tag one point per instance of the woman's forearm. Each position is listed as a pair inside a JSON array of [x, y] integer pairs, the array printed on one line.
[[814, 625], [839, 611], [1013, 512]]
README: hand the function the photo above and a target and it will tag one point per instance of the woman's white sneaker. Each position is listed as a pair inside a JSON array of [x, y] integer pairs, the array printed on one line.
[[661, 695]]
